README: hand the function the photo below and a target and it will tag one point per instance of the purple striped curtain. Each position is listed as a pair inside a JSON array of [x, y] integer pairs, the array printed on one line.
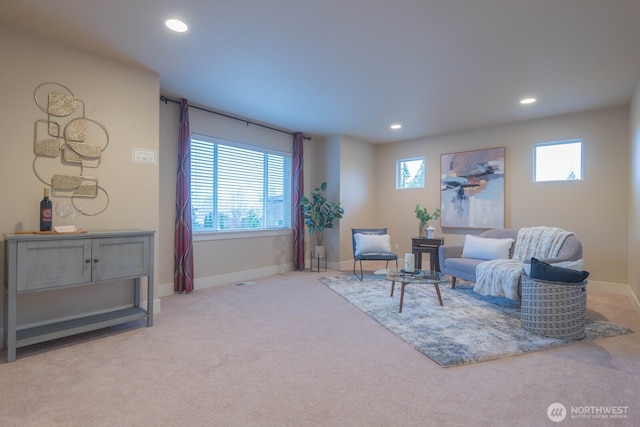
[[183, 255], [298, 191]]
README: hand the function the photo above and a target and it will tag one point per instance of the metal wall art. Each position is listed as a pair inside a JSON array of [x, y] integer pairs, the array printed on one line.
[[68, 134]]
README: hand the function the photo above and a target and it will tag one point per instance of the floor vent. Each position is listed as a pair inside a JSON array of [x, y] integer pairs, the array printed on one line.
[[248, 282]]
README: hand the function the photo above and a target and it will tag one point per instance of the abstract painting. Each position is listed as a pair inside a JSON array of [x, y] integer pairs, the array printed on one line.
[[472, 189]]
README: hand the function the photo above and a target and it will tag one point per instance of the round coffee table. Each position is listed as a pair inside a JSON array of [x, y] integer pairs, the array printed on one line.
[[419, 277]]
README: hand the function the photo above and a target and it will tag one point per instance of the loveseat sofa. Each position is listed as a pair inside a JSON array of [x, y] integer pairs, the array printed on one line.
[[462, 261]]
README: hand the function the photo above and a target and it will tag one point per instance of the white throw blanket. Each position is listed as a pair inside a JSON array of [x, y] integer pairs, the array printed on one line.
[[500, 277]]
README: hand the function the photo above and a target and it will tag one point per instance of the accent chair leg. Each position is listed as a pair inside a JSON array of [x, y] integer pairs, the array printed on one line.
[[354, 270], [453, 282]]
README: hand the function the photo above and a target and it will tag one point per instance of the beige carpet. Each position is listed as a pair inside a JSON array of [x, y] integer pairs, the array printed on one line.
[[288, 351]]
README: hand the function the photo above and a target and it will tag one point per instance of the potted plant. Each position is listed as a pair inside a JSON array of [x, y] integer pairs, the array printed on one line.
[[319, 214], [424, 216]]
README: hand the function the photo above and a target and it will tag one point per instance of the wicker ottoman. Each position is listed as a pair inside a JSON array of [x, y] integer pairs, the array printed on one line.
[[554, 309]]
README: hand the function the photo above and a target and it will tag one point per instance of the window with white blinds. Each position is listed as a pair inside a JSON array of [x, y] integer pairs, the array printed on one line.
[[238, 187]]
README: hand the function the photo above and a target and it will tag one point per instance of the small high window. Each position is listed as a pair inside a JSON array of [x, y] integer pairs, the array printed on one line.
[[410, 173], [557, 161]]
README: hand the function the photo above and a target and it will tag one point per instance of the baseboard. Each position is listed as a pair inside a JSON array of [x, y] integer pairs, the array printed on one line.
[[616, 289], [156, 305], [166, 289]]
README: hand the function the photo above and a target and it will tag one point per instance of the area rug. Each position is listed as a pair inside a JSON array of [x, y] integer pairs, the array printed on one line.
[[468, 328]]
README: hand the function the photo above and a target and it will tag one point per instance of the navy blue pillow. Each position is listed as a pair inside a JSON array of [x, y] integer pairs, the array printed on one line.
[[543, 271]]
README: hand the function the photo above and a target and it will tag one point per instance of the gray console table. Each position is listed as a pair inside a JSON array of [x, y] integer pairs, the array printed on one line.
[[41, 262]]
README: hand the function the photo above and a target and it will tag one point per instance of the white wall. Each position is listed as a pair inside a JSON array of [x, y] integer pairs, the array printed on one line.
[[169, 116], [124, 100], [360, 175], [225, 257], [344, 163], [357, 189], [634, 196], [596, 208]]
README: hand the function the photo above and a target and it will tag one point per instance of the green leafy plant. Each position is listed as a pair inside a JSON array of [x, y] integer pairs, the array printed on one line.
[[319, 213], [424, 216]]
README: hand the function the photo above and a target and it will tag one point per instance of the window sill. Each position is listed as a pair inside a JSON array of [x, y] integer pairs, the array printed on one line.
[[228, 235]]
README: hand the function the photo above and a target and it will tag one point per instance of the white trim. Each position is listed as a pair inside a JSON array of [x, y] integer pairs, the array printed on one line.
[[616, 289], [227, 235], [223, 279], [156, 305]]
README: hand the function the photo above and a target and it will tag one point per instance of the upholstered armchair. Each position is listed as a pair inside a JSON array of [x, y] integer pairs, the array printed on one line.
[[371, 244]]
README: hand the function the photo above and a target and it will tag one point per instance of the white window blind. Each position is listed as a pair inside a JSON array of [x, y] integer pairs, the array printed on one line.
[[238, 187]]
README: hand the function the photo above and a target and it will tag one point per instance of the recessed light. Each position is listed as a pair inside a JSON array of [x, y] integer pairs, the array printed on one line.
[[176, 25], [396, 126], [527, 101]]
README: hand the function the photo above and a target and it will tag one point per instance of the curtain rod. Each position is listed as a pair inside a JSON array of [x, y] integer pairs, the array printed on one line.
[[248, 122]]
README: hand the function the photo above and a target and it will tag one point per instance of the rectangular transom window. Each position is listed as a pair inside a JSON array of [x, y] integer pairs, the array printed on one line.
[[410, 173], [557, 161], [238, 187]]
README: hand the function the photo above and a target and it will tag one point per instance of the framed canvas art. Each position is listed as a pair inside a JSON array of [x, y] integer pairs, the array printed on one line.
[[472, 189]]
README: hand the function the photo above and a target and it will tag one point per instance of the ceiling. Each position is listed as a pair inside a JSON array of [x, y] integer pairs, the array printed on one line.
[[354, 67]]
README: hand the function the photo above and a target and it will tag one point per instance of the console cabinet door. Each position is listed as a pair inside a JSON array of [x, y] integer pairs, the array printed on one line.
[[120, 257], [55, 263]]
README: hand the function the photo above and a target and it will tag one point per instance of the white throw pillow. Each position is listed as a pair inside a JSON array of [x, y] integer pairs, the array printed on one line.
[[366, 243], [486, 248]]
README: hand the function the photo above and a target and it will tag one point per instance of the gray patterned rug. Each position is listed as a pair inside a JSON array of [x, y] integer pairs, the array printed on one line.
[[469, 328]]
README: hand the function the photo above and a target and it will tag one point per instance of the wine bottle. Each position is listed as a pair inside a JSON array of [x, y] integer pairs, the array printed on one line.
[[45, 212]]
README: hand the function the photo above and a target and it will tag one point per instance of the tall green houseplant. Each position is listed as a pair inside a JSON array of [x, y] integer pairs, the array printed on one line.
[[319, 213]]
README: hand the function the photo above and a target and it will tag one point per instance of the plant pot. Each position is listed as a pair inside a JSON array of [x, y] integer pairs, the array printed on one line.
[[422, 230], [319, 252]]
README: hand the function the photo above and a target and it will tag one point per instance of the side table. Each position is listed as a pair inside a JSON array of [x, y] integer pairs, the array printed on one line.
[[420, 245]]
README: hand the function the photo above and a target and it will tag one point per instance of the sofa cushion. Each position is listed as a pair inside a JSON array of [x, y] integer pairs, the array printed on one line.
[[368, 243], [486, 248], [543, 271], [462, 268]]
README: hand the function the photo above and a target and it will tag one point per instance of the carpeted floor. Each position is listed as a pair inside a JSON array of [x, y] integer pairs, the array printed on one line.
[[469, 328], [289, 351]]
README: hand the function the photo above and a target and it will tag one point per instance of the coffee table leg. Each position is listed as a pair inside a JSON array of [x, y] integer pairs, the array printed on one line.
[[438, 292], [393, 285], [402, 296]]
